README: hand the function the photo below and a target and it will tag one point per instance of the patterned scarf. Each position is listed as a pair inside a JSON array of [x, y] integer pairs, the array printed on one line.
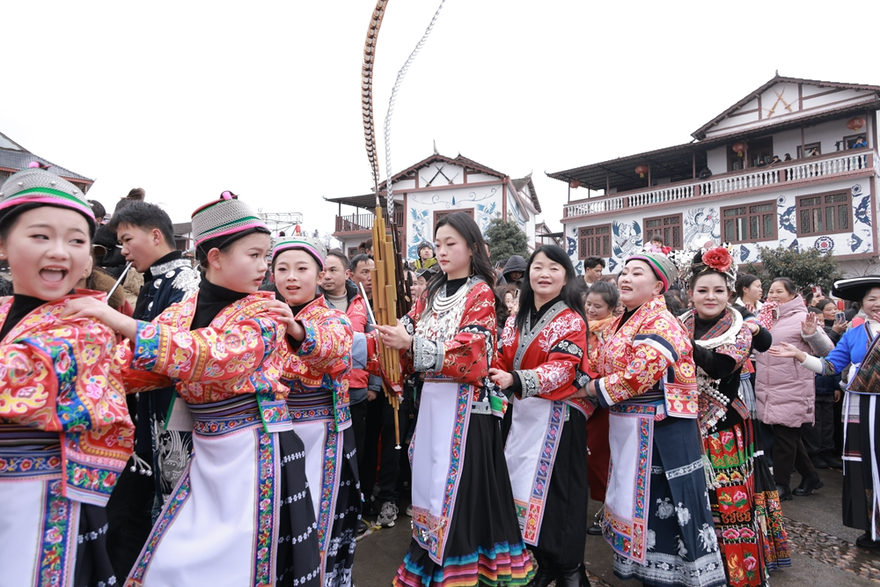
[[768, 314]]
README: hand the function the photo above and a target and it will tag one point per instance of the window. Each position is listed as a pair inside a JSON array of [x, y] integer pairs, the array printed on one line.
[[438, 214], [669, 227], [749, 222], [594, 241], [824, 213], [855, 141], [760, 151], [811, 150]]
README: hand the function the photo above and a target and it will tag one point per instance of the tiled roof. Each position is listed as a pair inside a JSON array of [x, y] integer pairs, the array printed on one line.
[[14, 157], [700, 133], [522, 182]]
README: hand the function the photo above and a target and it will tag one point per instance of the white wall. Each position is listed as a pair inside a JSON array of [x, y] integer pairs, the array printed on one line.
[[701, 221]]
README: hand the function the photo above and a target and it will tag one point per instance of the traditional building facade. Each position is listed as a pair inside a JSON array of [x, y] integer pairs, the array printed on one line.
[[432, 188], [14, 158], [792, 164]]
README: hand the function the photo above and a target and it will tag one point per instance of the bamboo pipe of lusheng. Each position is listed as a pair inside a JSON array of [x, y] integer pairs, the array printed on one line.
[[384, 282]]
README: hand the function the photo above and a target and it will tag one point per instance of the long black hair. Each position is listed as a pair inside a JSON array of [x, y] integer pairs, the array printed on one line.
[[571, 291], [464, 225]]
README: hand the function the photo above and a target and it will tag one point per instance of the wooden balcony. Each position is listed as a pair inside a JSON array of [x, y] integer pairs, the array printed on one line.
[[799, 171], [363, 222]]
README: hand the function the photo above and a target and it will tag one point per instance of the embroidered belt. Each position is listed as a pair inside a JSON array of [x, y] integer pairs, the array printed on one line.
[[23, 463], [311, 407], [226, 416]]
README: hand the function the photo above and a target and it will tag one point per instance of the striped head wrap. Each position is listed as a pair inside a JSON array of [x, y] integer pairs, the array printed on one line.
[[223, 221], [663, 268], [34, 187], [312, 246]]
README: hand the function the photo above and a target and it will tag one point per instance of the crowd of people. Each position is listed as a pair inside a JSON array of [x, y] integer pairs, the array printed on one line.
[[215, 430]]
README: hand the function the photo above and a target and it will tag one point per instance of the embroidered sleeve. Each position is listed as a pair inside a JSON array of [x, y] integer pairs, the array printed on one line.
[[466, 356], [206, 355], [64, 381], [327, 344], [556, 375], [652, 356], [737, 352], [427, 355]]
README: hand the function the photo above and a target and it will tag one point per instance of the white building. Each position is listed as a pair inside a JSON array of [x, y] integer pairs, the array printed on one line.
[[726, 185], [434, 187]]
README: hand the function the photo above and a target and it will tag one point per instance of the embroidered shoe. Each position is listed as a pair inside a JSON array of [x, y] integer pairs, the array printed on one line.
[[387, 514]]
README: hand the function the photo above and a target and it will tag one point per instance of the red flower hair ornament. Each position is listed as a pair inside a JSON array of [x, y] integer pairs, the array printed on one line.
[[718, 258]]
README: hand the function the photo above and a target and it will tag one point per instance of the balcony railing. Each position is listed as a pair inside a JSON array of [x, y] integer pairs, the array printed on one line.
[[364, 221], [800, 170], [354, 222]]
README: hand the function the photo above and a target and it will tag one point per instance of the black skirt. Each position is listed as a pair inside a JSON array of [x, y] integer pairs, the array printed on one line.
[[298, 558], [93, 568], [484, 544], [564, 527]]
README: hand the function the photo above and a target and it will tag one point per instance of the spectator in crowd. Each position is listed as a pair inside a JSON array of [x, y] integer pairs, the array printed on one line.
[[600, 304], [819, 436], [513, 271], [749, 292], [785, 392], [593, 268], [426, 258], [860, 142]]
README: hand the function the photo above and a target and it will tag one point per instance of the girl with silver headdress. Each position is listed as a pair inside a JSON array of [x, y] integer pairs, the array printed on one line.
[[745, 504], [465, 530], [241, 514], [65, 432], [316, 369]]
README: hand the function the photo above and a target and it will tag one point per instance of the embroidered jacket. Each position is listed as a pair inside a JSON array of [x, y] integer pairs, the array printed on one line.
[[236, 355], [465, 357], [62, 376], [651, 352], [167, 283], [321, 366], [547, 355]]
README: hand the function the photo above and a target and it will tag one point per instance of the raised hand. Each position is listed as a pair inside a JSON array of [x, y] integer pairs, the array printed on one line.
[[811, 323]]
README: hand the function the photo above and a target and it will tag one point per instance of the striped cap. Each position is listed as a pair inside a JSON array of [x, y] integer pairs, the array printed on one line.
[[663, 268], [312, 246], [38, 187], [224, 217]]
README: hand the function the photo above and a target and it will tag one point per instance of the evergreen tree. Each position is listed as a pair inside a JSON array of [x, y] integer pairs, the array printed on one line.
[[805, 268], [506, 239]]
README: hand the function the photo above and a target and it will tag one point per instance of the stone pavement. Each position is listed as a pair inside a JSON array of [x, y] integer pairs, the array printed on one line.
[[823, 551]]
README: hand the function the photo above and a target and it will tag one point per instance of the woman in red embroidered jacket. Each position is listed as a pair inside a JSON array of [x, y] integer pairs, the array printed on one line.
[[541, 350], [464, 523], [657, 517], [65, 433], [317, 373], [241, 514]]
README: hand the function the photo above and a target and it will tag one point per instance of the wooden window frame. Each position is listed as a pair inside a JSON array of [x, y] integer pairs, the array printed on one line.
[[438, 214], [587, 243], [849, 139], [667, 242], [799, 208], [802, 150], [748, 215]]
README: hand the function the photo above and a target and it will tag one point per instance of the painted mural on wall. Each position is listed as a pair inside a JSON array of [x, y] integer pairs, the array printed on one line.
[[700, 225], [423, 206], [520, 214]]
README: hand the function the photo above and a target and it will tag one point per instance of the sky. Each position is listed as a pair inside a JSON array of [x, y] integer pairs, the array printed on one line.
[[188, 99]]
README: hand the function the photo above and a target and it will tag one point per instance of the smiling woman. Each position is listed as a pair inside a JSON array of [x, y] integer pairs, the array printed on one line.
[[647, 380], [58, 472]]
